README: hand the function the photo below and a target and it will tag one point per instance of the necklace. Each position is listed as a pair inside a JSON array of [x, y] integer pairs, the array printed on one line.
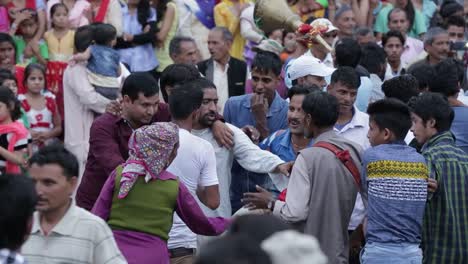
[[298, 147]]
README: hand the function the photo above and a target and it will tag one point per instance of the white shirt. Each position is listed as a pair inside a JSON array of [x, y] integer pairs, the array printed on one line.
[[389, 72], [79, 237], [328, 61], [195, 165], [249, 156], [356, 131], [220, 79]]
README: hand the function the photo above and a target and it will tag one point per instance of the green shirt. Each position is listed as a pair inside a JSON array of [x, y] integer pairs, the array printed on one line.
[[419, 25], [21, 46]]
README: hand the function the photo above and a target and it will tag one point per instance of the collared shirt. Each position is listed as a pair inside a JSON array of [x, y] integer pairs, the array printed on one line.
[[394, 187], [10, 257], [220, 79], [356, 131], [459, 127], [376, 93], [237, 111], [79, 237], [412, 48], [445, 238], [108, 148], [322, 194], [389, 73]]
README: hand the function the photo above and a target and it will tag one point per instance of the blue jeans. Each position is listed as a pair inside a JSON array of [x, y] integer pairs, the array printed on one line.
[[387, 253]]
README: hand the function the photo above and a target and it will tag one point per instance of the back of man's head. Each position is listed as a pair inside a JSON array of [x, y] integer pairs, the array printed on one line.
[[104, 34], [373, 59], [83, 38], [139, 82], [446, 79], [267, 62], [391, 114], [177, 74], [58, 155], [300, 89], [18, 199], [402, 87], [433, 106], [347, 76], [347, 53], [233, 249], [185, 100], [424, 73], [322, 107]]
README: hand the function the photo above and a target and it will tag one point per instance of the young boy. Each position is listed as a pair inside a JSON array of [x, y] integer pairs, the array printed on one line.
[[103, 61], [445, 236], [393, 187]]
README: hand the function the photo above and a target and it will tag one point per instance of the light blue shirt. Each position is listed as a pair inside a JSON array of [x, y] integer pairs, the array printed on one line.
[[139, 58], [460, 127], [364, 94]]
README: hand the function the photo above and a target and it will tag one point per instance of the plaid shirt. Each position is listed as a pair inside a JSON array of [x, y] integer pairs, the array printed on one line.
[[445, 231], [11, 257]]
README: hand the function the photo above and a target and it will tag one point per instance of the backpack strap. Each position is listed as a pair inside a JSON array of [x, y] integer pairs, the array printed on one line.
[[345, 158]]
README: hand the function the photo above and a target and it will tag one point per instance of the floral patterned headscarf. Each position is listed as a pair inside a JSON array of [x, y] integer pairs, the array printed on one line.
[[149, 150]]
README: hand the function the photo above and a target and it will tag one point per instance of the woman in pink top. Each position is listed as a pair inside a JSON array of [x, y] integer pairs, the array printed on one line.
[[79, 12]]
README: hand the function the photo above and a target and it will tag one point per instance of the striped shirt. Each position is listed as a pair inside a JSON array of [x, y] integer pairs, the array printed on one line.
[[445, 230], [79, 237], [394, 187]]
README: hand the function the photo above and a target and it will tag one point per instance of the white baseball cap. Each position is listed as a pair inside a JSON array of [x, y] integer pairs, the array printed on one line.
[[308, 65], [324, 22]]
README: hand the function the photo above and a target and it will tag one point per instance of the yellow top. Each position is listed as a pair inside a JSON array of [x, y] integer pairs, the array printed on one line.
[[225, 18], [60, 49], [162, 54], [319, 13]]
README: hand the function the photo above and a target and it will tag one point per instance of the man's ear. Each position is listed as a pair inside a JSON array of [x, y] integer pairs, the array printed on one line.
[[388, 134], [431, 123]]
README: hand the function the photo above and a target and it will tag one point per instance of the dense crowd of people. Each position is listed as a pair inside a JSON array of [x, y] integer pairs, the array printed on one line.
[[182, 131]]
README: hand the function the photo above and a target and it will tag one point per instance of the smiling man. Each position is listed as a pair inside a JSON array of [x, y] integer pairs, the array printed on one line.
[[444, 238], [62, 232]]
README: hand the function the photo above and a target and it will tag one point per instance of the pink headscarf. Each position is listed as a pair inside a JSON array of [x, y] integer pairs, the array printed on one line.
[[149, 150]]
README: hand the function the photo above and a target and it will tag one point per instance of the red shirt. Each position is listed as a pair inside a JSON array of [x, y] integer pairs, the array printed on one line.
[[108, 148]]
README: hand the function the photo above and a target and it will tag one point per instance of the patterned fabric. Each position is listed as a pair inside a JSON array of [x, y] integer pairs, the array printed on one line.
[[149, 150], [10, 257], [394, 184], [445, 234]]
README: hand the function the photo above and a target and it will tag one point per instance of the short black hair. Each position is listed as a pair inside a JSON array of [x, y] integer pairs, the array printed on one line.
[[373, 57], [402, 87], [176, 74], [185, 99], [6, 75], [302, 90], [423, 72], [19, 198], [139, 82], [174, 45], [433, 106], [347, 76], [203, 83], [391, 114], [266, 62], [9, 99], [347, 52], [83, 38], [257, 227], [323, 108], [457, 21], [104, 34], [59, 155], [233, 249], [392, 34], [446, 80]]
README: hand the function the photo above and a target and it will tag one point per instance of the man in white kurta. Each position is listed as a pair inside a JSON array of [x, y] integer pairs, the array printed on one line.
[[249, 155]]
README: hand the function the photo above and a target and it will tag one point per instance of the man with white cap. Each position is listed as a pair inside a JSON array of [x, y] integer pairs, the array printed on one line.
[[308, 70], [317, 49]]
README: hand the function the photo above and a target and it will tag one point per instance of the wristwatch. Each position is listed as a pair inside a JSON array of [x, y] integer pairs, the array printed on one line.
[[271, 204]]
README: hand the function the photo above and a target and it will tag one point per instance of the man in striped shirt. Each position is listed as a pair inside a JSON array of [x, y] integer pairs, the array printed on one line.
[[445, 228], [63, 232]]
